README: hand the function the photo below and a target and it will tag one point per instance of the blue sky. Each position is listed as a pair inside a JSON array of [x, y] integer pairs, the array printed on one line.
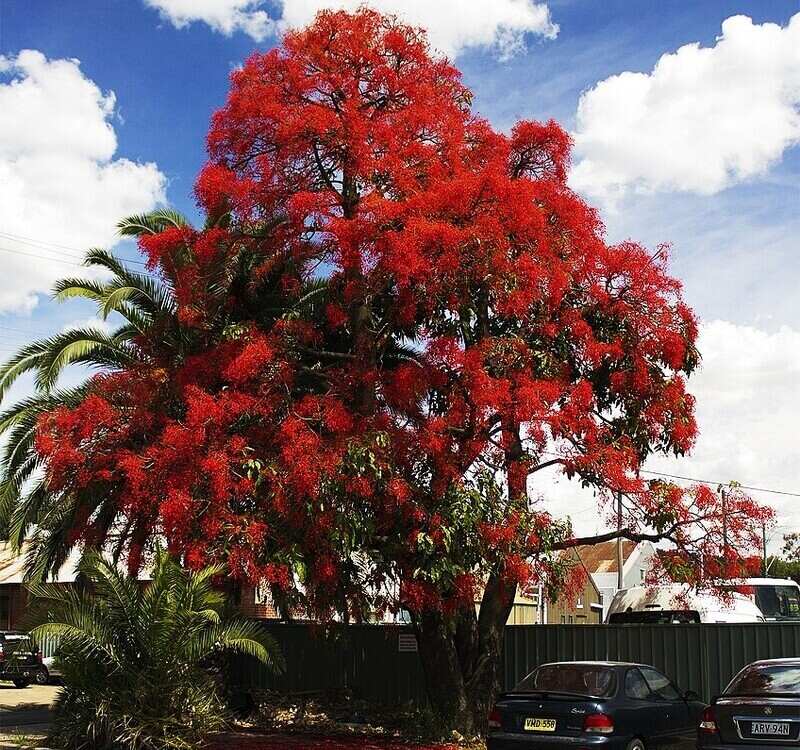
[[716, 173]]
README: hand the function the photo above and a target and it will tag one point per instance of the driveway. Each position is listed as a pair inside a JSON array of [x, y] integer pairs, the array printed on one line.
[[24, 712]]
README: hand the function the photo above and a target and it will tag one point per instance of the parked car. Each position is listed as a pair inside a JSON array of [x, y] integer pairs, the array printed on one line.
[[760, 706], [610, 705], [20, 659], [51, 668]]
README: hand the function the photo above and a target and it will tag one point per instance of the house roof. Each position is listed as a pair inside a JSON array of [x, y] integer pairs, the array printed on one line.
[[575, 555], [602, 558], [12, 566]]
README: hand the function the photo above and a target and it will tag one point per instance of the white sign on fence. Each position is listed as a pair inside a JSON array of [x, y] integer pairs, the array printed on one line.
[[407, 643]]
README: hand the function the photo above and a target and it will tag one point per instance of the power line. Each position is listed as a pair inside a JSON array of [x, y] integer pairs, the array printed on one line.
[[42, 243], [709, 482], [712, 482], [41, 257], [74, 263], [55, 247], [26, 331]]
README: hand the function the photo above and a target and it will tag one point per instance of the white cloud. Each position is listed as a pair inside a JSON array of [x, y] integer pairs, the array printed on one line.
[[705, 118], [453, 25], [747, 407], [94, 323], [59, 181], [748, 401], [225, 16]]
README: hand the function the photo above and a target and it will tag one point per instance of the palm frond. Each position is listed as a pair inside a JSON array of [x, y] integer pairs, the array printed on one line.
[[151, 223], [71, 288], [244, 637], [25, 360], [50, 544], [79, 345]]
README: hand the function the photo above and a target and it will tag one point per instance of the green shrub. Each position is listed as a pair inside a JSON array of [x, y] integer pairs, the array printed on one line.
[[134, 656]]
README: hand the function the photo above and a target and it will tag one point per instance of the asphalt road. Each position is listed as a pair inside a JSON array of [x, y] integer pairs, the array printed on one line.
[[25, 707]]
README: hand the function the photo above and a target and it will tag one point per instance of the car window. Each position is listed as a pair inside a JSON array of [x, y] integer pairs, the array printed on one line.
[[763, 679], [582, 679], [778, 601], [635, 685], [660, 685]]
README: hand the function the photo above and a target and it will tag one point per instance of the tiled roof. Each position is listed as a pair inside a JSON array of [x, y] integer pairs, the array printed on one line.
[[602, 558], [12, 566]]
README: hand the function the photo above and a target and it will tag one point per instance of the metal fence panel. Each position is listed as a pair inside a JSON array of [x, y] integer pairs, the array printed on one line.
[[366, 659], [363, 659], [702, 658]]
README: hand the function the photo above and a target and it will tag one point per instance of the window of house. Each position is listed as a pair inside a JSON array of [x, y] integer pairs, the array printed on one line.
[[563, 620], [262, 595], [570, 619], [579, 603], [641, 574]]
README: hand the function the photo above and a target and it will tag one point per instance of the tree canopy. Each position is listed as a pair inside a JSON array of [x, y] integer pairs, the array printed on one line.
[[395, 315]]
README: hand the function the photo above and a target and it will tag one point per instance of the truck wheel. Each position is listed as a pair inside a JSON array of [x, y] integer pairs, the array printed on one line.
[[42, 677], [21, 682]]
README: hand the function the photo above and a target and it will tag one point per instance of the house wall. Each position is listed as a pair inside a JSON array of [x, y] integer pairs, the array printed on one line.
[[579, 612], [634, 571], [257, 602], [637, 565], [525, 611], [13, 604]]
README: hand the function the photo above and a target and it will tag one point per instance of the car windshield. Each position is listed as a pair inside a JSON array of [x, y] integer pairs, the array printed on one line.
[[766, 679], [778, 602], [581, 679]]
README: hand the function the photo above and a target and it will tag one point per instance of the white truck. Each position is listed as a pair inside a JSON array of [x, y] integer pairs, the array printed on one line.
[[678, 604]]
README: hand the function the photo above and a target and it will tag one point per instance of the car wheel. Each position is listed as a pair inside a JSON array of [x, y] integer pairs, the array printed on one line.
[[636, 744], [21, 682], [42, 677]]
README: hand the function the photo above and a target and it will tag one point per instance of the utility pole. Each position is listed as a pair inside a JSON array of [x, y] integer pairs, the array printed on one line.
[[724, 521], [764, 547], [620, 561]]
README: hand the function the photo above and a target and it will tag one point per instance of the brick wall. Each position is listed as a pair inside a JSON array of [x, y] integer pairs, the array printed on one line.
[[13, 602]]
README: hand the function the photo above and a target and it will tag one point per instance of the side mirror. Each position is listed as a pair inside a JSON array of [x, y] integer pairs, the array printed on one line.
[[690, 695]]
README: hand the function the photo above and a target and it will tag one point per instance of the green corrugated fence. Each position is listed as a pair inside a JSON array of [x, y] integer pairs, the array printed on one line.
[[373, 662], [364, 659]]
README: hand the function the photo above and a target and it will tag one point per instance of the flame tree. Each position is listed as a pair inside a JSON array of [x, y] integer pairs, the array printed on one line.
[[394, 316]]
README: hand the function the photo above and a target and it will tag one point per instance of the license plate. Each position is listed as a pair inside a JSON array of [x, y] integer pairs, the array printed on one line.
[[767, 728], [540, 725]]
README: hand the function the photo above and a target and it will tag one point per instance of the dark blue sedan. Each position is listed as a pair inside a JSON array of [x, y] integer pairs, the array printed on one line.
[[603, 705], [759, 709]]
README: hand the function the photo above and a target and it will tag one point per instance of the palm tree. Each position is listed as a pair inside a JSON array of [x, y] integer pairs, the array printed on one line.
[[145, 304], [134, 657], [41, 520]]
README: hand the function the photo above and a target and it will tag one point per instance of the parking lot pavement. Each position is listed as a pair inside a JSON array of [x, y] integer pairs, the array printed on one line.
[[35, 696], [24, 712]]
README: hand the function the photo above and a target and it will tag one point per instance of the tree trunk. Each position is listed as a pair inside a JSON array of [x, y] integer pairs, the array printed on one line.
[[462, 658], [444, 680]]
